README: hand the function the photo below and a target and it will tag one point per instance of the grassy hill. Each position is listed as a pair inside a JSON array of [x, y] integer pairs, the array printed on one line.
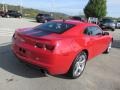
[[31, 13]]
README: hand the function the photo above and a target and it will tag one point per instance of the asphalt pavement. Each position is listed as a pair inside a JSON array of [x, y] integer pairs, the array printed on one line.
[[101, 73]]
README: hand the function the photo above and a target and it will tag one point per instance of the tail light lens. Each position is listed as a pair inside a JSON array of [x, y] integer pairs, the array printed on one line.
[[39, 45], [49, 47], [45, 46]]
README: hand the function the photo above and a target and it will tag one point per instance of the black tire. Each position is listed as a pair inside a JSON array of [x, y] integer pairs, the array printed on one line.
[[73, 66], [38, 21], [113, 29], [107, 51], [3, 16]]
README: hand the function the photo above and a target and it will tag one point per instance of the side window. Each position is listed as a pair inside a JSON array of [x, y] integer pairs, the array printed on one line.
[[93, 31], [96, 30], [89, 31]]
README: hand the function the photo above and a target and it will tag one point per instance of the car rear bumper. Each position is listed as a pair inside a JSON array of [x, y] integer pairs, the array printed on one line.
[[53, 63]]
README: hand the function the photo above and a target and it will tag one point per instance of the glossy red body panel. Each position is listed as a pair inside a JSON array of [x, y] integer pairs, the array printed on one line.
[[66, 47]]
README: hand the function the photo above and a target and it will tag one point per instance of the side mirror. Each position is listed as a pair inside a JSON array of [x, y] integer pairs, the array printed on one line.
[[105, 33]]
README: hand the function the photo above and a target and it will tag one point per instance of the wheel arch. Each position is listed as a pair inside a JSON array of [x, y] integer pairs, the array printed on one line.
[[86, 51], [83, 50]]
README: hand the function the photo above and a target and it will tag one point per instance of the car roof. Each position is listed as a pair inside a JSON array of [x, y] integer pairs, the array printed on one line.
[[42, 14], [76, 16], [76, 22]]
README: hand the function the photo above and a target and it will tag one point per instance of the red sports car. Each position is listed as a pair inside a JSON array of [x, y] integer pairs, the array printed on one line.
[[61, 46]]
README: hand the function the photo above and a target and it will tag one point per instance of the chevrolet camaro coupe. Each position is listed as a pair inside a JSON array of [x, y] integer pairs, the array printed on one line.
[[61, 46]]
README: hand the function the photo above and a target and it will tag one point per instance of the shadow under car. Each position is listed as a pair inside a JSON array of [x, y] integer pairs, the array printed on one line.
[[11, 64]]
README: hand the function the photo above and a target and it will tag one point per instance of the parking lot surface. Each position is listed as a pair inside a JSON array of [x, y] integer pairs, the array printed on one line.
[[101, 73]]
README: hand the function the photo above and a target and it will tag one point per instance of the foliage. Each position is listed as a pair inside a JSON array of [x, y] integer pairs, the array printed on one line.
[[96, 8], [31, 13]]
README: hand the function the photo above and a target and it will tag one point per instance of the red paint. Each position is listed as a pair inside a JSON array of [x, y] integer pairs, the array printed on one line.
[[56, 52]]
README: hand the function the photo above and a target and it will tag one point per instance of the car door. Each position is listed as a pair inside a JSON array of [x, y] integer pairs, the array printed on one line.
[[10, 13], [95, 43], [100, 40]]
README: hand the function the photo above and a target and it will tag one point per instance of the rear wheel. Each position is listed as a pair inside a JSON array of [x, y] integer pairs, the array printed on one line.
[[78, 66]]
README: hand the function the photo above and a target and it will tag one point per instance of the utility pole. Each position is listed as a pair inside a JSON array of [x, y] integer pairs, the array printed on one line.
[[3, 8], [6, 7], [52, 7], [21, 11]]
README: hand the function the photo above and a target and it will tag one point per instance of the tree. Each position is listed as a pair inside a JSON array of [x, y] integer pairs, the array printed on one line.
[[96, 8]]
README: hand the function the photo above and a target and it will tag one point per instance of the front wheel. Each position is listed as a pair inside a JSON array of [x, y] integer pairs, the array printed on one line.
[[38, 21], [78, 66], [7, 16], [109, 48], [113, 29]]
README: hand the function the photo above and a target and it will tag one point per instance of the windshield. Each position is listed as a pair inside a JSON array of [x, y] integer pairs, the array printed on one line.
[[107, 21], [76, 18], [43, 15], [56, 27]]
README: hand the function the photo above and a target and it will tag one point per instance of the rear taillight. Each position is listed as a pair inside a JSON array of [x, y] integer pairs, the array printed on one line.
[[49, 47], [39, 45], [44, 46]]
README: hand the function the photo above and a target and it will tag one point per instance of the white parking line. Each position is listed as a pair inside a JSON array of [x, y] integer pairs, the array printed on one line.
[[5, 44], [6, 32]]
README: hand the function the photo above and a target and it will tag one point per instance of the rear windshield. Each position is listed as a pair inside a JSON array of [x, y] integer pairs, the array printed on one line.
[[43, 15], [55, 27], [76, 18]]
